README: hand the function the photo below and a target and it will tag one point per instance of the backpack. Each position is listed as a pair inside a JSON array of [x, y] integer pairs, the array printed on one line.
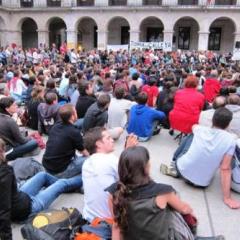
[[53, 225], [134, 91]]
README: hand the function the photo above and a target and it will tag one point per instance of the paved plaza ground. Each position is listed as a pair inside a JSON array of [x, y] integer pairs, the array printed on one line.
[[214, 217]]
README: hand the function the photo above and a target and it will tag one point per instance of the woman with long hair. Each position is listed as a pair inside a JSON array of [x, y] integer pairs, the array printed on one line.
[[143, 209], [35, 195]]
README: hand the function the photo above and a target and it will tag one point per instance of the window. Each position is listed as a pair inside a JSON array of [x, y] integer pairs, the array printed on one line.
[[125, 34], [154, 34], [152, 2], [187, 2], [26, 3], [54, 3], [184, 38], [81, 3], [0, 2], [117, 2], [225, 2], [214, 41]]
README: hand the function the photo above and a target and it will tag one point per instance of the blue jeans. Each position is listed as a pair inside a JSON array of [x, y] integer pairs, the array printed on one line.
[[73, 169], [42, 199], [20, 150]]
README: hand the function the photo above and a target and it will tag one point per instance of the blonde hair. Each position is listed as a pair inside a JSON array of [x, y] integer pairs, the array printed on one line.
[[36, 92], [2, 151]]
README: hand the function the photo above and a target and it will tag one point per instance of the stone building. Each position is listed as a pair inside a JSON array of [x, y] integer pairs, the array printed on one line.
[[188, 24]]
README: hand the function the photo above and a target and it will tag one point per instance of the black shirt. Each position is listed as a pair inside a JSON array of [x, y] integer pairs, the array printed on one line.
[[15, 205], [63, 140], [83, 103]]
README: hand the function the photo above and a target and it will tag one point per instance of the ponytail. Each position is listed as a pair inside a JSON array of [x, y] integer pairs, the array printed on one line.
[[120, 200]]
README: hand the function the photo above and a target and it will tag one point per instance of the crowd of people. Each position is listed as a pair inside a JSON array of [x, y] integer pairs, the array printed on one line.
[[84, 101]]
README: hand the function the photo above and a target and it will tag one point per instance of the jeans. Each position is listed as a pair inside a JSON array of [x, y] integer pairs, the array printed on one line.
[[42, 199], [20, 150], [73, 169], [183, 147]]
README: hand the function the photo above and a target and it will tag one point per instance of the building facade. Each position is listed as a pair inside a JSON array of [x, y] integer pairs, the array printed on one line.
[[188, 24]]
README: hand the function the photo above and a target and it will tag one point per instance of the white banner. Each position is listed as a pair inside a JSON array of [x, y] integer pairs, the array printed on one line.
[[165, 46], [117, 47]]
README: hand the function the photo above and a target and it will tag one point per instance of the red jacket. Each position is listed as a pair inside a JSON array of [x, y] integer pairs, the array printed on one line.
[[188, 103], [211, 89]]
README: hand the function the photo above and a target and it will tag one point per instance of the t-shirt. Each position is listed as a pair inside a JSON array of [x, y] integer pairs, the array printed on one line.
[[205, 154], [99, 171], [63, 140], [152, 92], [117, 112]]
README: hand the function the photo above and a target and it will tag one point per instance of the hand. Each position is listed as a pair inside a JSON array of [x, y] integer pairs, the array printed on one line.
[[131, 141], [232, 203]]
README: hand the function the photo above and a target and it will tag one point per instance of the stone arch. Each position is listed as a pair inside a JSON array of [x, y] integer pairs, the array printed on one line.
[[28, 28], [151, 29], [118, 31], [86, 29], [57, 31], [221, 34], [185, 36]]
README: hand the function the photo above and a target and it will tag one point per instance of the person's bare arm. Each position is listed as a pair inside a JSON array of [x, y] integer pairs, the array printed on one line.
[[175, 202], [131, 141], [85, 153], [115, 229], [225, 171]]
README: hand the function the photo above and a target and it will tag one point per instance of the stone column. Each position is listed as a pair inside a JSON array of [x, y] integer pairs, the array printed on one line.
[[134, 35], [102, 39], [168, 37], [13, 36], [203, 41], [43, 37], [236, 38], [101, 3], [71, 39]]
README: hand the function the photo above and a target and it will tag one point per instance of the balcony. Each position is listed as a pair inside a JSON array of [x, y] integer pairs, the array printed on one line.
[[117, 2], [225, 2], [83, 3], [187, 2], [152, 2], [26, 3], [53, 3]]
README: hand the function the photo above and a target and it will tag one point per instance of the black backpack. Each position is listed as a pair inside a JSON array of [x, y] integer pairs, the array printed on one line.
[[53, 225]]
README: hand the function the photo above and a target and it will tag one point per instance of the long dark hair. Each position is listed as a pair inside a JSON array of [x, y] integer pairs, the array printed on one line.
[[6, 102], [132, 173], [2, 151]]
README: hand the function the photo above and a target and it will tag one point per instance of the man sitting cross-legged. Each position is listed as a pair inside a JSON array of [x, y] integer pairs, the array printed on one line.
[[210, 149], [99, 171], [64, 139]]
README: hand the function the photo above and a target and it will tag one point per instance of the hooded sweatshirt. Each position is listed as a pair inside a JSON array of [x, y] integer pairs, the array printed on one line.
[[95, 117], [141, 120], [47, 117]]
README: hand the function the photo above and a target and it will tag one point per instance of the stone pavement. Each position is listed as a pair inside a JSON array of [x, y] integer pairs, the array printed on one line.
[[214, 217]]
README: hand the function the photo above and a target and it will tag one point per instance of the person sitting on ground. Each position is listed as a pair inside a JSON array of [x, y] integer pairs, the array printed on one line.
[[143, 120], [97, 116], [10, 132], [188, 103], [37, 95], [34, 196], [99, 171], [64, 139], [142, 208], [48, 113], [197, 161], [118, 109], [152, 91], [205, 118]]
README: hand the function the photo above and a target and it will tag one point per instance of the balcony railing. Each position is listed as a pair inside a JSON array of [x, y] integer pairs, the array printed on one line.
[[82, 3], [117, 3], [26, 3], [187, 2], [54, 3], [152, 2]]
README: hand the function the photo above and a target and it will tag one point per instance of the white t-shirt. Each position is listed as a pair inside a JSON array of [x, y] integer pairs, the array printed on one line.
[[205, 154], [99, 172], [117, 112]]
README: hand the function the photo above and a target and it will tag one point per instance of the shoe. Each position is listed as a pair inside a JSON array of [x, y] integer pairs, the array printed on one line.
[[169, 171], [171, 132]]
